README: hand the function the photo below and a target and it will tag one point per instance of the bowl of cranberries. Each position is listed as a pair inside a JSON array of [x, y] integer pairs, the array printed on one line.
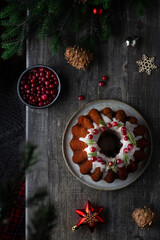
[[38, 86]]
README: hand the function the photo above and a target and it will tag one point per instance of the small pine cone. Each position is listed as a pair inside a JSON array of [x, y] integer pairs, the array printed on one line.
[[78, 57], [144, 217]]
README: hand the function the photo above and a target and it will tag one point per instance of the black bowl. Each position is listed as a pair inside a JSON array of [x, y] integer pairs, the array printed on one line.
[[29, 70]]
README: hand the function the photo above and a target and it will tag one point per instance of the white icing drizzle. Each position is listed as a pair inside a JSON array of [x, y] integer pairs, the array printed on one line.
[[93, 143]]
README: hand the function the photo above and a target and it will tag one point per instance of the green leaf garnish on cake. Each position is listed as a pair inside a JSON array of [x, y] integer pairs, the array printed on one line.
[[114, 164], [89, 142], [131, 138], [119, 125], [102, 123], [92, 154]]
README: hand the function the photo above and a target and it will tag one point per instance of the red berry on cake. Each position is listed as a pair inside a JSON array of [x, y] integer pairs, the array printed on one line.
[[125, 150], [110, 164], [130, 146], [93, 159], [95, 131], [103, 162], [92, 149], [114, 124], [90, 136], [119, 161], [109, 125], [123, 129], [99, 159], [125, 138], [103, 129]]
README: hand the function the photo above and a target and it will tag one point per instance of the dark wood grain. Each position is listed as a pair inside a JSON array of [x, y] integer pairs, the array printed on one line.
[[45, 129]]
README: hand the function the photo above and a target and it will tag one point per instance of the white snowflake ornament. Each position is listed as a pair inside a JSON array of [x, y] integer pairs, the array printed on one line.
[[146, 64]]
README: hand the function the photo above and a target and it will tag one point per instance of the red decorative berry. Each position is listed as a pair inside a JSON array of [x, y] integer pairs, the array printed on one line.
[[130, 146], [95, 11], [103, 129], [56, 82], [81, 97], [95, 131], [104, 78], [47, 82], [110, 164], [114, 124], [92, 149], [99, 159], [103, 162], [123, 133], [125, 150], [93, 159], [101, 83], [123, 129], [90, 136], [44, 97], [26, 86], [119, 161], [109, 125], [40, 104], [125, 138]]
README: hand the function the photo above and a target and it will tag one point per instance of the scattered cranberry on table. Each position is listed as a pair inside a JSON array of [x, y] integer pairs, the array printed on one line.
[[101, 83], [39, 86], [104, 78], [81, 97]]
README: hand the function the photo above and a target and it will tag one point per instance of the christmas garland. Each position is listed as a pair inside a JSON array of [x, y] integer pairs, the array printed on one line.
[[58, 18]]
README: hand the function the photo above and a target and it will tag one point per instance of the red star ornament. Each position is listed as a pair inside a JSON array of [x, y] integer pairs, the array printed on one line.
[[90, 216]]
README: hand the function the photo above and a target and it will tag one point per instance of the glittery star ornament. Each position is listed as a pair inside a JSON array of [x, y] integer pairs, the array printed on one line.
[[146, 64], [90, 216]]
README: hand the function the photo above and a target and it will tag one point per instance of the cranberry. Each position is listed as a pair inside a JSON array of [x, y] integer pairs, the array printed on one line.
[[48, 72], [28, 91], [43, 89], [53, 75], [39, 99], [114, 124], [95, 131], [47, 87], [125, 138], [43, 79], [54, 91], [110, 164], [41, 74], [26, 86], [44, 97], [47, 92], [40, 82], [103, 129], [45, 103], [38, 88], [119, 161], [92, 149], [99, 159], [38, 92], [35, 70], [54, 95], [47, 82], [22, 82], [51, 86], [33, 85], [31, 98], [40, 104], [101, 84], [34, 100], [32, 89], [47, 76], [81, 97], [56, 82], [104, 78], [41, 69], [37, 74], [125, 150], [130, 146], [109, 125], [93, 159], [90, 136], [22, 88], [103, 162], [123, 129], [33, 80], [33, 77]]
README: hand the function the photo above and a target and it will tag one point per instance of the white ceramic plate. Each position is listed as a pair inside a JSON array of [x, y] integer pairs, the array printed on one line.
[[67, 151]]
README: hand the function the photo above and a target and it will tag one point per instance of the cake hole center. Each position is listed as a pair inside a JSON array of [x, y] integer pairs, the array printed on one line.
[[109, 143]]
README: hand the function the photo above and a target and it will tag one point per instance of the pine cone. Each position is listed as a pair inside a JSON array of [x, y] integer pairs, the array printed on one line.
[[144, 217], [78, 57]]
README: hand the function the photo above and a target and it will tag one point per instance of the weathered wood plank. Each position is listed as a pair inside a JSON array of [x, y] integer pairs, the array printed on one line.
[[45, 129]]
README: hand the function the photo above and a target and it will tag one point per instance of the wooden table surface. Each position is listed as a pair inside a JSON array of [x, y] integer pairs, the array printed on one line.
[[45, 129]]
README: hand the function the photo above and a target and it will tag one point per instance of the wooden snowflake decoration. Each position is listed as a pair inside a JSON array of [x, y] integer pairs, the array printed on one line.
[[146, 64]]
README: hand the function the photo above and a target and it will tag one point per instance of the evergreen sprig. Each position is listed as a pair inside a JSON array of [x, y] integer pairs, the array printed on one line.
[[56, 19]]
